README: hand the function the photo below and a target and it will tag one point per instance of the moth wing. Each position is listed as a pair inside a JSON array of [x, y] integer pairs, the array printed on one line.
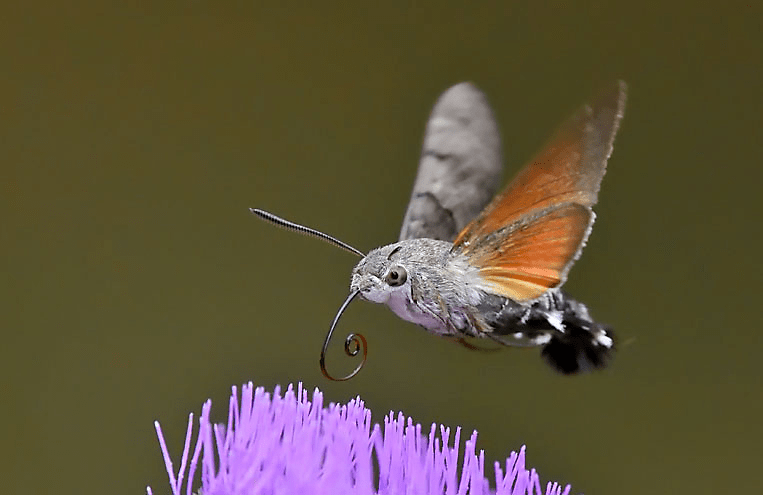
[[459, 169], [531, 255], [529, 236]]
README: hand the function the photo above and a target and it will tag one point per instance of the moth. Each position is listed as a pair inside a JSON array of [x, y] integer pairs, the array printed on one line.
[[466, 266]]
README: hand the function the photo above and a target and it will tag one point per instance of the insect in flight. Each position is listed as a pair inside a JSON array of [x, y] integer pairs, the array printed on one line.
[[496, 274]]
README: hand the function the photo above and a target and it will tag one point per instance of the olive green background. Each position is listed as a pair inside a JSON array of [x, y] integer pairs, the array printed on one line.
[[136, 284]]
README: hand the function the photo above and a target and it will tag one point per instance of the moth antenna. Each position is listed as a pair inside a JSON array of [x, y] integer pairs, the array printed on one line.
[[352, 344], [301, 229]]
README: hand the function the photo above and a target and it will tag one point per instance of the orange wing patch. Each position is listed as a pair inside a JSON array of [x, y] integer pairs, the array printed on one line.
[[528, 257], [528, 237], [568, 170]]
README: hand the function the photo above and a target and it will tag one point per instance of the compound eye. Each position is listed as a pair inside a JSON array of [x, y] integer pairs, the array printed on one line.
[[396, 276]]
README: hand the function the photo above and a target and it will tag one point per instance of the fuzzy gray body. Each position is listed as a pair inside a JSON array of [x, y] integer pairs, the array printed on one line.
[[447, 296]]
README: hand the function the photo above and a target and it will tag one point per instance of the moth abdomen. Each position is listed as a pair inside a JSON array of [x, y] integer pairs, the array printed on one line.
[[571, 340]]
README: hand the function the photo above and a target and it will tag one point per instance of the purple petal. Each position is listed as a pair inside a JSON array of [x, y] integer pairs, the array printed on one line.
[[291, 444]]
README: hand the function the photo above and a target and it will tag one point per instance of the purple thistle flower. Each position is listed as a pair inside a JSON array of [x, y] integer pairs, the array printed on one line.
[[288, 445]]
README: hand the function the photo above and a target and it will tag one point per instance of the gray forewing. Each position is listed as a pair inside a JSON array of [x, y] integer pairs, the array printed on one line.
[[601, 122], [460, 166]]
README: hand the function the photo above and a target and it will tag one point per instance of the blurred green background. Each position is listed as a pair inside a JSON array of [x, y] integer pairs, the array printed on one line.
[[136, 283]]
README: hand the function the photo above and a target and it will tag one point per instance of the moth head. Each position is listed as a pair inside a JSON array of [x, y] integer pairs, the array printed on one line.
[[381, 274]]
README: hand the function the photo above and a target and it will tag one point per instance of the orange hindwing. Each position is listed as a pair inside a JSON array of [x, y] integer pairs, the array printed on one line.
[[528, 237]]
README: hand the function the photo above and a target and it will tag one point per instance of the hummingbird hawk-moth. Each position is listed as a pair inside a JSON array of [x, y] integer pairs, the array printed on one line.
[[463, 269]]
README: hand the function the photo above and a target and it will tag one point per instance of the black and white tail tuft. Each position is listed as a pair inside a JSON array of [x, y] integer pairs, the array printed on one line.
[[584, 346]]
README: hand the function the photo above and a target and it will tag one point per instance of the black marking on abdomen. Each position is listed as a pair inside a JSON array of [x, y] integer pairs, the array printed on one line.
[[581, 345]]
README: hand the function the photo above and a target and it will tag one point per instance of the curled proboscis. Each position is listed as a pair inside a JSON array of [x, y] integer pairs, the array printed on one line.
[[352, 344]]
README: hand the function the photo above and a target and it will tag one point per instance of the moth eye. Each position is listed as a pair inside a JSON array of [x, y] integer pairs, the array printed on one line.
[[396, 276]]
